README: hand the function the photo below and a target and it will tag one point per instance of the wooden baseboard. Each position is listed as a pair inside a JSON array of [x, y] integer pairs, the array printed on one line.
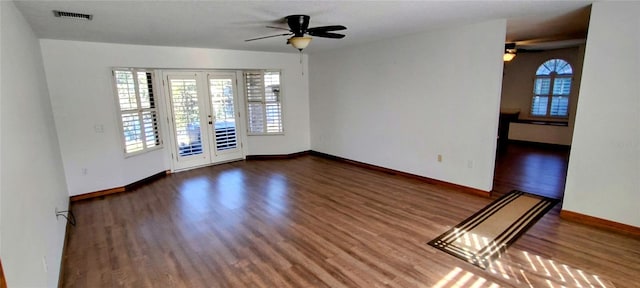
[[600, 223], [278, 156], [97, 194], [144, 181], [121, 189], [3, 281], [465, 189]]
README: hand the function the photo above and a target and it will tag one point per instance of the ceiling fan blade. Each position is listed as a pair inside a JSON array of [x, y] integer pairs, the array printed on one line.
[[327, 28], [524, 50], [281, 28], [265, 37], [325, 34]]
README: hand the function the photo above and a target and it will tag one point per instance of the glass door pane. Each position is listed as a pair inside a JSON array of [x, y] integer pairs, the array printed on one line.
[[224, 113], [206, 125], [184, 99], [225, 118]]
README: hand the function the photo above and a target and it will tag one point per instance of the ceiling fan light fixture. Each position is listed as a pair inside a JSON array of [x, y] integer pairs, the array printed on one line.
[[300, 42], [509, 52], [508, 56]]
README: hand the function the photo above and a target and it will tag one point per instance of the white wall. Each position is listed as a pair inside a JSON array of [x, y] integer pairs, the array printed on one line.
[[82, 96], [549, 134], [604, 167], [400, 102], [33, 183], [517, 89]]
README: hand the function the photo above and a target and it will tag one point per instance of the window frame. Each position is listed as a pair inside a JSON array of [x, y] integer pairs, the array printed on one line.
[[155, 110], [552, 76], [263, 104]]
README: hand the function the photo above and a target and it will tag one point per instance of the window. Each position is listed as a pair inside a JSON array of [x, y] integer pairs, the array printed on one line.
[[137, 107], [551, 89], [264, 108]]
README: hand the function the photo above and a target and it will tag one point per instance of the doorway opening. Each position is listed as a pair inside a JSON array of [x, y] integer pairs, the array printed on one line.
[[540, 89], [204, 110]]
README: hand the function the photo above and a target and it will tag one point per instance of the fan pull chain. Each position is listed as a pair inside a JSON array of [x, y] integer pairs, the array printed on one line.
[[301, 63]]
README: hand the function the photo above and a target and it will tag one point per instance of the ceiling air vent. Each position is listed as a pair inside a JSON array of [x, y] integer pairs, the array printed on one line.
[[72, 15]]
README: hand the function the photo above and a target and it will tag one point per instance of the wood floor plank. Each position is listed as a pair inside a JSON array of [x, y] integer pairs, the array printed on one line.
[[316, 222]]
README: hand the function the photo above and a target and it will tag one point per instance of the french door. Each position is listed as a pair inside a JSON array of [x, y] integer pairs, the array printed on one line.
[[205, 118]]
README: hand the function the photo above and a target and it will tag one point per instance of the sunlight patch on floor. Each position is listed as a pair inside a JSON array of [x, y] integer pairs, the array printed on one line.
[[532, 270]]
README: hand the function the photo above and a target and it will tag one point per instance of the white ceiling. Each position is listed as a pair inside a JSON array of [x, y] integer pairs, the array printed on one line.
[[226, 24]]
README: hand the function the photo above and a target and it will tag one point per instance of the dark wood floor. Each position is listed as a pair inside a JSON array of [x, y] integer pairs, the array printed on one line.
[[532, 168], [315, 222]]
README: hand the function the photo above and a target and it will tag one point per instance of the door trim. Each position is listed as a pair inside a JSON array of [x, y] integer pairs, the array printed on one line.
[[168, 109]]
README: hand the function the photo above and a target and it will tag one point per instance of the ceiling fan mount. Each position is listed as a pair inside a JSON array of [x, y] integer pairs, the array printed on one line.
[[299, 29], [298, 24]]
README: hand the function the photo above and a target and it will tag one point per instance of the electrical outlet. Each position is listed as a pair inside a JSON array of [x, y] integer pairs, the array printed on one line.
[[469, 164], [439, 157]]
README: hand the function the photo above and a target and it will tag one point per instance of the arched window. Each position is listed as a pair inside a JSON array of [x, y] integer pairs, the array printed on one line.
[[551, 89]]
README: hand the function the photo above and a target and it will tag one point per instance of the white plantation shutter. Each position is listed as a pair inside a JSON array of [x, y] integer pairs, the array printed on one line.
[[560, 99], [551, 89], [137, 106], [541, 91], [264, 107], [255, 100]]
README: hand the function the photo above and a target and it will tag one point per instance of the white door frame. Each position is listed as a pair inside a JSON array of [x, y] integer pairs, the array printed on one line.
[[207, 157]]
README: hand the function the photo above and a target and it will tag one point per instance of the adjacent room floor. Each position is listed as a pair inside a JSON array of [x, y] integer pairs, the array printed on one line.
[[535, 168], [315, 222]]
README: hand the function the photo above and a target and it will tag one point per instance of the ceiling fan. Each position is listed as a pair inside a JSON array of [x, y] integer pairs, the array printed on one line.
[[299, 27], [511, 49], [539, 45]]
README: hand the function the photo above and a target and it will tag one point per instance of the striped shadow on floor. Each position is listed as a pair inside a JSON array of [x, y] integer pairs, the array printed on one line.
[[486, 234]]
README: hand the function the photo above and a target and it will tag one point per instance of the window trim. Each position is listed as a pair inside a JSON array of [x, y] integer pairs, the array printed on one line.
[[120, 112], [247, 102], [552, 76]]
